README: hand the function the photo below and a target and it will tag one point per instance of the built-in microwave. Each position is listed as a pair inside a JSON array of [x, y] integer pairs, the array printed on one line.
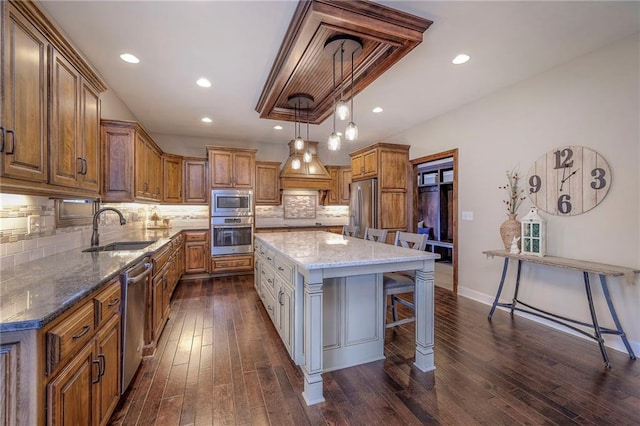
[[231, 202]]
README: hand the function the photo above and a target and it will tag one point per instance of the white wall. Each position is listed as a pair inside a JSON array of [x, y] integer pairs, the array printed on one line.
[[112, 107], [591, 101]]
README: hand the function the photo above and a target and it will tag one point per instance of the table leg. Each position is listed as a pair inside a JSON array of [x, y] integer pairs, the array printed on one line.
[[504, 274], [312, 368], [515, 293], [424, 312], [612, 310], [594, 318]]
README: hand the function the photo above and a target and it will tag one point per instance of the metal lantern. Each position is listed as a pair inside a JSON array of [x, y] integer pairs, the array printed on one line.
[[533, 233]]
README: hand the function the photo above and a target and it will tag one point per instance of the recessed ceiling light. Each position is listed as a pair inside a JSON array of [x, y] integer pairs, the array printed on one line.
[[206, 120], [460, 59], [277, 127], [377, 110], [203, 82], [128, 57]]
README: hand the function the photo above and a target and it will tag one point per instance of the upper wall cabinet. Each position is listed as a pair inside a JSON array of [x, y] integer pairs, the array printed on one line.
[[340, 180], [59, 157], [126, 144], [172, 178], [267, 183], [389, 163], [231, 167], [196, 181]]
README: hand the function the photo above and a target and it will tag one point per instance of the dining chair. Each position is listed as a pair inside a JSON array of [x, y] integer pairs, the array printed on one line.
[[374, 234], [350, 230], [395, 283]]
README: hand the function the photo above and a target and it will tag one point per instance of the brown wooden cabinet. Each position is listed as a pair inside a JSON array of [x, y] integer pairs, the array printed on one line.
[[50, 111], [132, 163], [267, 183], [196, 185], [24, 108], [231, 167], [83, 361], [172, 178], [389, 163], [232, 263], [148, 171], [74, 139], [339, 190], [117, 142], [196, 252], [364, 164]]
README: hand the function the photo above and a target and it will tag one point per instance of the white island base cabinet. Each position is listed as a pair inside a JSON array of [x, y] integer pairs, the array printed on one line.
[[353, 328], [333, 314]]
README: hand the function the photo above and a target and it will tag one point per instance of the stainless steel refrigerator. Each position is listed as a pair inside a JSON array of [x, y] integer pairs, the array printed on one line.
[[363, 205]]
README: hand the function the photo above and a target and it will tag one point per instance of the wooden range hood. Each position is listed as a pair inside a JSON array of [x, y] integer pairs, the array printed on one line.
[[303, 66], [311, 175]]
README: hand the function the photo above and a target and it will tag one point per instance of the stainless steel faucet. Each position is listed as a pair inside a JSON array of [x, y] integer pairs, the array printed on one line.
[[95, 237]]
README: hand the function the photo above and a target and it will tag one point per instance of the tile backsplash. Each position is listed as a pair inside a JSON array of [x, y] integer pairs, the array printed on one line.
[[20, 244]]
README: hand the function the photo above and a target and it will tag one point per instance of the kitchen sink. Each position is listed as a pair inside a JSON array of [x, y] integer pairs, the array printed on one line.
[[121, 245]]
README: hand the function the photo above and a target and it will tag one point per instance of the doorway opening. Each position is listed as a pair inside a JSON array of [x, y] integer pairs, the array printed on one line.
[[435, 211]]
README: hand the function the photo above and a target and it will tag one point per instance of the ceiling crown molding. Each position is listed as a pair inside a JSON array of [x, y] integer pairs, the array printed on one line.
[[302, 66]]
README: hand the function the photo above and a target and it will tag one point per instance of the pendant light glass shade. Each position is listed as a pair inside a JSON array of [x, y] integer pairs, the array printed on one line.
[[307, 156], [295, 164], [299, 143], [334, 142], [351, 134], [342, 110]]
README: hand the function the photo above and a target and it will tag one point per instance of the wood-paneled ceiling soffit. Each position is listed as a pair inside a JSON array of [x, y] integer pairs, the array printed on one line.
[[302, 65]]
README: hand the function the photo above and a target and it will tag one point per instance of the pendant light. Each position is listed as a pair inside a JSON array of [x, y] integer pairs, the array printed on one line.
[[351, 133], [349, 46], [342, 109], [299, 142], [300, 101]]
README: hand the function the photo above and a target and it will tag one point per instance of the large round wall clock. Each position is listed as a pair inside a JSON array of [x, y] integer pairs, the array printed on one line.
[[569, 180]]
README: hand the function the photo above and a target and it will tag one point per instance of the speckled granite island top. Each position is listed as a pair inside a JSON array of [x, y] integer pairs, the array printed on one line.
[[34, 293], [318, 250]]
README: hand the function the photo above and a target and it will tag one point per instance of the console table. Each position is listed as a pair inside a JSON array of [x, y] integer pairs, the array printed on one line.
[[603, 271]]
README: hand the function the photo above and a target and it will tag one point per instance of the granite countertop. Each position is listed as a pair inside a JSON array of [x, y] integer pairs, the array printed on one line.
[[34, 293], [319, 250]]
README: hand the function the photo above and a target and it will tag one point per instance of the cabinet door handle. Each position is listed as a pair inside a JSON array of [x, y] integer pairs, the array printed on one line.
[[103, 363], [97, 362], [3, 137], [84, 162], [114, 302], [280, 268], [81, 165], [280, 294], [85, 330], [13, 142]]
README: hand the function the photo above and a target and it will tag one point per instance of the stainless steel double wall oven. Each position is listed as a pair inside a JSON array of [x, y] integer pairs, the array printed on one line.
[[231, 221]]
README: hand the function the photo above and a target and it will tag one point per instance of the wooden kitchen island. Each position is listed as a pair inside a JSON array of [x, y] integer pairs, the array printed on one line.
[[323, 292]]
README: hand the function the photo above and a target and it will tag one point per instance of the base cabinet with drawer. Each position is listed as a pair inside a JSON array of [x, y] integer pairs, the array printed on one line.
[[240, 263], [276, 288], [83, 362], [196, 252]]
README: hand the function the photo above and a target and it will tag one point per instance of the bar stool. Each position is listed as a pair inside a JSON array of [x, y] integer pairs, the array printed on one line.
[[395, 283], [350, 230], [374, 234]]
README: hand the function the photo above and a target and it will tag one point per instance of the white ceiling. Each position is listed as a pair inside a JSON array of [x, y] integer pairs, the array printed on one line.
[[234, 43]]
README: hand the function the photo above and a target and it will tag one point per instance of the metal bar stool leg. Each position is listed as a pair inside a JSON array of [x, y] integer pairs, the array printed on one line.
[[612, 310]]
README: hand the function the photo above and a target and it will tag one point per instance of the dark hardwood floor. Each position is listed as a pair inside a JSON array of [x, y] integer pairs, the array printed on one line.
[[220, 361]]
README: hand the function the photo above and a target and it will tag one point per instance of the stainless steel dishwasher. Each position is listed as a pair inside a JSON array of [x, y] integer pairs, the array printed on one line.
[[134, 283]]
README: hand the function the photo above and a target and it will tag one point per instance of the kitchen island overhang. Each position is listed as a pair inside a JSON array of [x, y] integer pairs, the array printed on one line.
[[337, 310]]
